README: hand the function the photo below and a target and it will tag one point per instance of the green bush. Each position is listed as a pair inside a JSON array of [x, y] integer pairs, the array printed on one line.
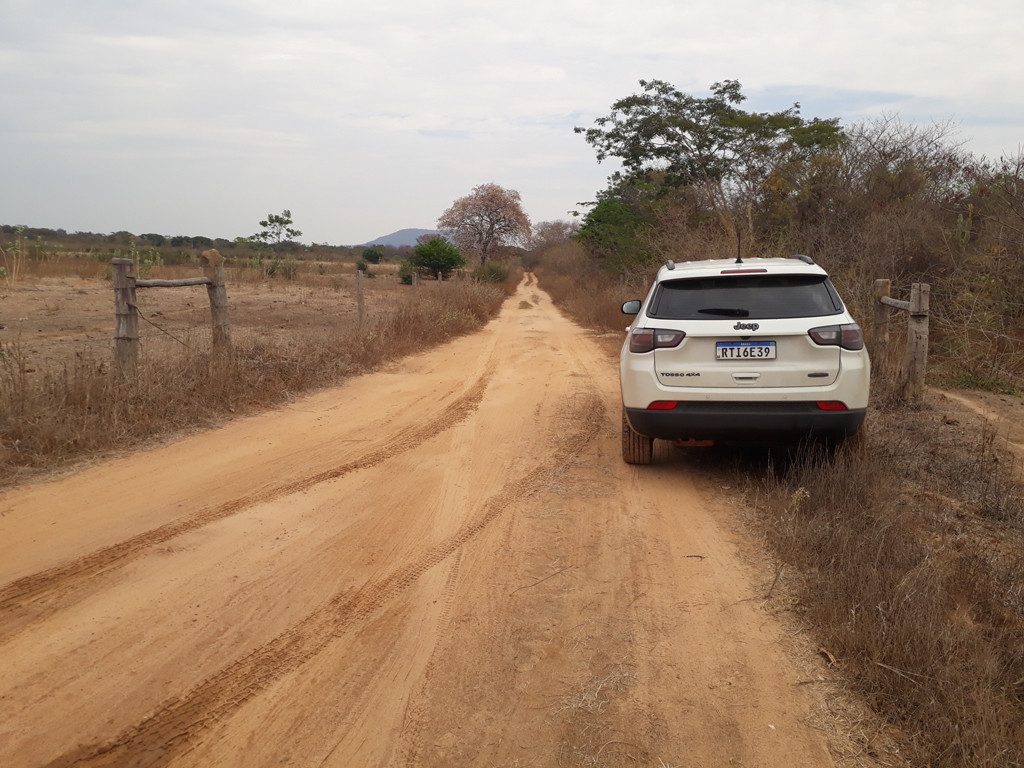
[[438, 257], [405, 272]]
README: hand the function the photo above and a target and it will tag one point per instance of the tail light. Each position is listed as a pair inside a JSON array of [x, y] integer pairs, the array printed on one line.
[[648, 339], [832, 405], [847, 336]]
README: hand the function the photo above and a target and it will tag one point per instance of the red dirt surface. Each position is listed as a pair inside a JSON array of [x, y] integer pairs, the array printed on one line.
[[442, 564]]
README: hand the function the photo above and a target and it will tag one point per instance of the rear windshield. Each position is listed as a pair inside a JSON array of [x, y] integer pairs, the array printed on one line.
[[755, 296]]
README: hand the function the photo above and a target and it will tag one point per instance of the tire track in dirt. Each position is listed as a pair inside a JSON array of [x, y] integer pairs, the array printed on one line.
[[409, 751], [443, 623], [176, 726], [413, 718], [32, 598]]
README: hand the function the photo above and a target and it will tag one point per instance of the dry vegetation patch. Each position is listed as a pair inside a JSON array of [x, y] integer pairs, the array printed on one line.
[[61, 399], [906, 559], [903, 558]]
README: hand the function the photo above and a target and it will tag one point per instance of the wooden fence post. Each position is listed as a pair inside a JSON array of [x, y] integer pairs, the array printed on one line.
[[126, 322], [880, 330], [916, 360], [359, 295], [917, 340], [213, 268]]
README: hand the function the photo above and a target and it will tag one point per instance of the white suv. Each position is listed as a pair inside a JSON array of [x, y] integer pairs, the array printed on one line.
[[761, 350]]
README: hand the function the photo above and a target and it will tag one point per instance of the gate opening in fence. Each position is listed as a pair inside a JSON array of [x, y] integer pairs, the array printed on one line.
[[126, 327]]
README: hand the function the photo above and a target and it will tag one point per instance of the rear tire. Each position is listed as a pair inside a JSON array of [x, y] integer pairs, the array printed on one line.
[[636, 448]]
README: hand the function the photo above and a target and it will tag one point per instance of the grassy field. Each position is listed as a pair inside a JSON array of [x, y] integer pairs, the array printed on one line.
[[61, 400]]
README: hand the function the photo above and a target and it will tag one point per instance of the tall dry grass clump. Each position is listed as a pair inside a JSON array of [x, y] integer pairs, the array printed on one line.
[[592, 298], [907, 560], [85, 406]]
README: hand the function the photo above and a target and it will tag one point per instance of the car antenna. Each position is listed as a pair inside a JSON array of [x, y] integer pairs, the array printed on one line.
[[739, 247]]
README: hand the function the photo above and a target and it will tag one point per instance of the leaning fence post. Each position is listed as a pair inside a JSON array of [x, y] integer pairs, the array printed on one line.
[[213, 268], [880, 329], [917, 340], [126, 314]]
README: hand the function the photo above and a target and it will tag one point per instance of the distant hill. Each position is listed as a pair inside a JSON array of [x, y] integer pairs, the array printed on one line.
[[402, 237]]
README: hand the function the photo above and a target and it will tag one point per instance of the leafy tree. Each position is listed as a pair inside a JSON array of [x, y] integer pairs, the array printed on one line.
[[613, 232], [671, 139], [373, 254], [437, 256], [692, 140], [277, 230], [487, 218]]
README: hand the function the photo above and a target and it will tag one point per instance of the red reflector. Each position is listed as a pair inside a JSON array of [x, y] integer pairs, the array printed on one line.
[[662, 405], [832, 405]]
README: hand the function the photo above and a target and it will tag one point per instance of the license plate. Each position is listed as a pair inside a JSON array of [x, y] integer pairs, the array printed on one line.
[[745, 350]]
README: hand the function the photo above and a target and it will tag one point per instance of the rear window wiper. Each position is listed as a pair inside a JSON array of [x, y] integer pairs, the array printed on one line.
[[728, 312]]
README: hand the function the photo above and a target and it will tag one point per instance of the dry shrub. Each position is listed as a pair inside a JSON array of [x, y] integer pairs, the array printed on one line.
[[595, 303], [896, 572], [591, 297], [48, 418], [457, 308]]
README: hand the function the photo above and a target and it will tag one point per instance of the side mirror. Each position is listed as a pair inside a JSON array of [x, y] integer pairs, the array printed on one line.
[[631, 307]]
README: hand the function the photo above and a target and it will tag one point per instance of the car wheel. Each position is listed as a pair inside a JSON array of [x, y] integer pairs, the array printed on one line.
[[636, 448]]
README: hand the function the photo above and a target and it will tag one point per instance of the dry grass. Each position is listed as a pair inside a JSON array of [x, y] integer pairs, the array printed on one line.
[[591, 299], [907, 560], [67, 409]]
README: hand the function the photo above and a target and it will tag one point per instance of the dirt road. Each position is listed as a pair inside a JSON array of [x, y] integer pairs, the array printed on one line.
[[443, 564]]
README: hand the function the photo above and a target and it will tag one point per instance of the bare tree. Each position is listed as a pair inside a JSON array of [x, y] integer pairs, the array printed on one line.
[[550, 233], [487, 218]]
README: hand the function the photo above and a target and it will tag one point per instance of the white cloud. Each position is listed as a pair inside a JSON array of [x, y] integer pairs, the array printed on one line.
[[366, 118]]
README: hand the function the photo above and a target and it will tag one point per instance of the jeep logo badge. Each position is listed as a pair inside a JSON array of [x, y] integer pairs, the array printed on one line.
[[746, 326]]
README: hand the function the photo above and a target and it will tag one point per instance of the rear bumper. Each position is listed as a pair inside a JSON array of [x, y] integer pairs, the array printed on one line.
[[745, 422]]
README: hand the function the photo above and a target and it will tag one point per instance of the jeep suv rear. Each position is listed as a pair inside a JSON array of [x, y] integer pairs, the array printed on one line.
[[761, 350]]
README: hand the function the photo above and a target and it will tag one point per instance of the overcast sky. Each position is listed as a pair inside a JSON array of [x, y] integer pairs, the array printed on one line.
[[363, 117]]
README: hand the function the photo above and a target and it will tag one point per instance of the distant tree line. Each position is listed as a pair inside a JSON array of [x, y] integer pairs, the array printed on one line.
[[40, 241]]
